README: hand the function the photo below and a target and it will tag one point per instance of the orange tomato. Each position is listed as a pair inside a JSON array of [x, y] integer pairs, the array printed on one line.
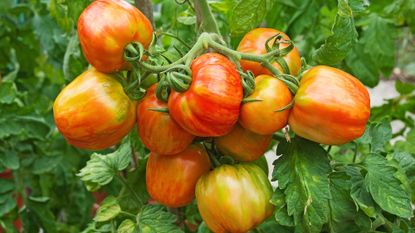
[[171, 179], [331, 106], [93, 112], [254, 42], [105, 27], [260, 116]]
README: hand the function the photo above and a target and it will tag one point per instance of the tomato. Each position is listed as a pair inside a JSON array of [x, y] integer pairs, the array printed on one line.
[[210, 107], [254, 42], [234, 198], [6, 174], [171, 180], [158, 131], [242, 144], [331, 106], [105, 27], [260, 116], [93, 112]]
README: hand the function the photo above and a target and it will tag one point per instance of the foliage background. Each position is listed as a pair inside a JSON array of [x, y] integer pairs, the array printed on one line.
[[40, 53]]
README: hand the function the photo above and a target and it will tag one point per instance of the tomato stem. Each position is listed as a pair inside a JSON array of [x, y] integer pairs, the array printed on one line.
[[205, 21]]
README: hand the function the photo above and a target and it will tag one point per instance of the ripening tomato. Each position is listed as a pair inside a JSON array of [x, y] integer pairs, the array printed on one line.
[[260, 116], [105, 27], [242, 144], [234, 198], [254, 42], [210, 107], [6, 174], [171, 179], [158, 131], [93, 112], [331, 106]]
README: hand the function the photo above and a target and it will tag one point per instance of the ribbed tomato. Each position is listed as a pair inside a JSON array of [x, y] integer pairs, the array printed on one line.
[[157, 130], [254, 42], [242, 144], [210, 107], [331, 106], [105, 27], [171, 179], [93, 112], [234, 198], [260, 116]]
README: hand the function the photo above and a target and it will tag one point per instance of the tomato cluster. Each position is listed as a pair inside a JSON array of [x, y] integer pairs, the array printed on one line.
[[94, 112]]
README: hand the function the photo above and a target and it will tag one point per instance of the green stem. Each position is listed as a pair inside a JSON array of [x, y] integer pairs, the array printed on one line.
[[355, 152], [125, 183], [205, 20], [128, 214]]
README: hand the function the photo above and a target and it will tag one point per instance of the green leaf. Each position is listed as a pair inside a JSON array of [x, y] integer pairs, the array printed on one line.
[[385, 188], [342, 39], [9, 159], [377, 135], [203, 228], [108, 210], [154, 219], [280, 213], [25, 126], [101, 169], [6, 186], [127, 226], [8, 92], [404, 88], [270, 226], [7, 206], [247, 15], [302, 173]]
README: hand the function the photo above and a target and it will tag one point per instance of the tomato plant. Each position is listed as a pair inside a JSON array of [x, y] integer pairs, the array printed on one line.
[[171, 179], [158, 131], [93, 112], [243, 201]]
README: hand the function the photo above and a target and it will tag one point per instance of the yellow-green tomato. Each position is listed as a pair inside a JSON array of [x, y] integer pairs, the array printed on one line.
[[234, 198]]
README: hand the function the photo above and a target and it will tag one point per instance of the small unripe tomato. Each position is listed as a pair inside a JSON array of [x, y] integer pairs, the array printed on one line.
[[93, 112], [260, 116], [105, 28], [210, 107], [242, 144], [157, 130], [234, 198], [331, 106], [171, 179], [254, 42]]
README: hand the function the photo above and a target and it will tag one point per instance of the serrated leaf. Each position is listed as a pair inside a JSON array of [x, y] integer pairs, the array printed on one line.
[[8, 92], [342, 39], [404, 88], [101, 169], [359, 192], [377, 134], [247, 15], [155, 219], [108, 210], [25, 126], [385, 188], [302, 173], [127, 226], [280, 213], [9, 159]]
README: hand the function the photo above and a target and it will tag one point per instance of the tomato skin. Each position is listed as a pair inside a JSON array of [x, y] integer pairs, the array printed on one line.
[[6, 174], [210, 107], [260, 116], [331, 106], [157, 130], [93, 112], [254, 42], [105, 27], [234, 198], [242, 144], [171, 179]]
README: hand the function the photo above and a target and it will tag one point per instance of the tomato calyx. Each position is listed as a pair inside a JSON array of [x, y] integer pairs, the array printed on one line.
[[133, 52]]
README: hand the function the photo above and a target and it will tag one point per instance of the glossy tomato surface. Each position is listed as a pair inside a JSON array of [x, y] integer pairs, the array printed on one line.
[[93, 112], [157, 130], [171, 179], [210, 107], [260, 116], [105, 27], [331, 106], [254, 42], [234, 198], [242, 144]]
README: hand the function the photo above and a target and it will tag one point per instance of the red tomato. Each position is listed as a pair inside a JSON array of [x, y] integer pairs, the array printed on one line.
[[254, 42], [105, 27], [6, 174], [234, 198], [331, 106], [93, 112], [158, 131], [210, 107], [260, 116], [171, 180], [242, 144]]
